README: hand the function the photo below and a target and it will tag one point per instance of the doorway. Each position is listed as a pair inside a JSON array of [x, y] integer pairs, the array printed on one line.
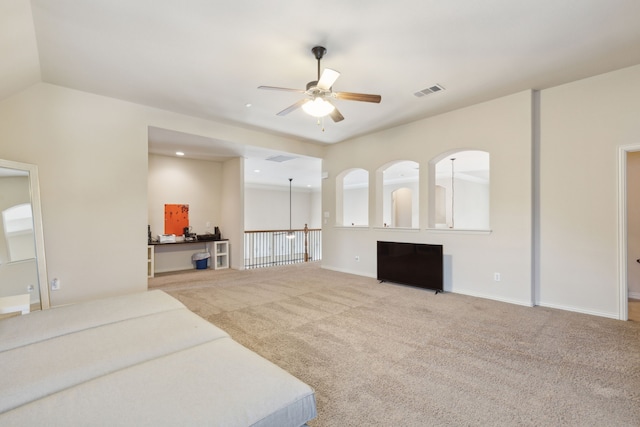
[[633, 233], [629, 232]]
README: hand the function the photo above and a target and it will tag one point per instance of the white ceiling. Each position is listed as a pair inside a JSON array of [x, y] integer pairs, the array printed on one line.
[[207, 58]]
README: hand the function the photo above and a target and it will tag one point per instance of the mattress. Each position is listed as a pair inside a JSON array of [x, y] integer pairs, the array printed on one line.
[[142, 359]]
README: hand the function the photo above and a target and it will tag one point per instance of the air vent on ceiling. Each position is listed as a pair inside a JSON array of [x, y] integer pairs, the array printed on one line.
[[429, 90], [280, 158]]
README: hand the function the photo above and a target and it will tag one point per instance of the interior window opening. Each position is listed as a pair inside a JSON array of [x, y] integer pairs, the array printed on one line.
[[400, 192], [460, 191], [352, 198]]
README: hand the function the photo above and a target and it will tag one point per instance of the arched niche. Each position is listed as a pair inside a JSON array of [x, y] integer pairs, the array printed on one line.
[[397, 191], [459, 193], [352, 197]]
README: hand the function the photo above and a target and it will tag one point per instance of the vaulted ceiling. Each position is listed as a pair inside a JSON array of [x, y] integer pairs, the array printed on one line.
[[207, 58]]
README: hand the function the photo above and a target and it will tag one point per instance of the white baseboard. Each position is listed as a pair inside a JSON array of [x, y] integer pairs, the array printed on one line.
[[580, 310], [491, 297], [634, 295], [344, 270]]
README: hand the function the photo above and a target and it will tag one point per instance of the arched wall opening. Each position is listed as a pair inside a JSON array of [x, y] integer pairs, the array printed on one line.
[[390, 177], [459, 195], [352, 197]]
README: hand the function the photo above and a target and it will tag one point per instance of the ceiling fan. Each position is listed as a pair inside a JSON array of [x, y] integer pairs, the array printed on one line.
[[319, 93]]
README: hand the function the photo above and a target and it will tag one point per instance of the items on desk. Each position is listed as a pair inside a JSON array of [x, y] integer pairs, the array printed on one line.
[[209, 236], [166, 238], [188, 235]]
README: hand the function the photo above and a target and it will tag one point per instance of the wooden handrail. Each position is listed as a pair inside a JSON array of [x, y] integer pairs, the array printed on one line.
[[283, 231]]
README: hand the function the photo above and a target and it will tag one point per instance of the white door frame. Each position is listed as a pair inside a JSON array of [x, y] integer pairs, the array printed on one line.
[[623, 286]]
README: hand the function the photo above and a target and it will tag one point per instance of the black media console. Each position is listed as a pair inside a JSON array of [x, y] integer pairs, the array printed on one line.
[[415, 264]]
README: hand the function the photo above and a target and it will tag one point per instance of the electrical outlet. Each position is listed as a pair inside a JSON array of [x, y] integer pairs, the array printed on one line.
[[55, 284], [358, 258], [496, 277]]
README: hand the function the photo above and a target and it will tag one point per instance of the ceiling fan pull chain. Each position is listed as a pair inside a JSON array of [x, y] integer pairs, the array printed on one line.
[[321, 123]]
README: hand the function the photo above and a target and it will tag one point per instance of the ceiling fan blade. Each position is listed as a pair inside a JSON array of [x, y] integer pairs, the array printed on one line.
[[292, 107], [281, 88], [363, 97], [336, 116], [328, 78]]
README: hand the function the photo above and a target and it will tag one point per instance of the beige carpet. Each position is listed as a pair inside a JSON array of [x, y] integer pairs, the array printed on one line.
[[390, 355]]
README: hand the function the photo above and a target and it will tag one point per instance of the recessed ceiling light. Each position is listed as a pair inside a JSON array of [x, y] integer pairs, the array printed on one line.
[[248, 104], [179, 153], [256, 170]]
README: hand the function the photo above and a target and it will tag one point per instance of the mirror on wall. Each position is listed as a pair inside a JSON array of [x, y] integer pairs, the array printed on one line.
[[23, 280]]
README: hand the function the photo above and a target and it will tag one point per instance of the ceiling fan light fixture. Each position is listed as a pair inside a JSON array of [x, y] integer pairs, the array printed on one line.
[[315, 102], [318, 107]]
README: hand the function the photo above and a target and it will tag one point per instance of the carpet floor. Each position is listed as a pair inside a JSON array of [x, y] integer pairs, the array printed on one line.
[[381, 354]]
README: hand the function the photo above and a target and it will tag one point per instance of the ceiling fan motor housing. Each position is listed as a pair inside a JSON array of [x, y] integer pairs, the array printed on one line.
[[318, 52]]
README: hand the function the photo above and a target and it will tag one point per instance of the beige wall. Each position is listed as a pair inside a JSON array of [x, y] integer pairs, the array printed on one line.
[[501, 127], [92, 154], [233, 210], [92, 166], [197, 183], [554, 238], [267, 208], [583, 124]]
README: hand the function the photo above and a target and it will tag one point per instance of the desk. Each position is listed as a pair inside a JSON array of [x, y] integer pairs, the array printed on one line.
[[182, 252]]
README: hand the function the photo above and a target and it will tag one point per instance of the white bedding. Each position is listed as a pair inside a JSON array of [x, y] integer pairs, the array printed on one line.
[[142, 359]]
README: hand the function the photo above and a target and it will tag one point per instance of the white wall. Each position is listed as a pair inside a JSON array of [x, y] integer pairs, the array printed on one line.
[[267, 208], [355, 205], [92, 154], [233, 210], [501, 127], [471, 207], [387, 213], [582, 125], [197, 183], [570, 259]]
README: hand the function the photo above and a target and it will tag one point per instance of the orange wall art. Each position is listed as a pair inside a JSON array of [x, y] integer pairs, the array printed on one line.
[[176, 218]]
